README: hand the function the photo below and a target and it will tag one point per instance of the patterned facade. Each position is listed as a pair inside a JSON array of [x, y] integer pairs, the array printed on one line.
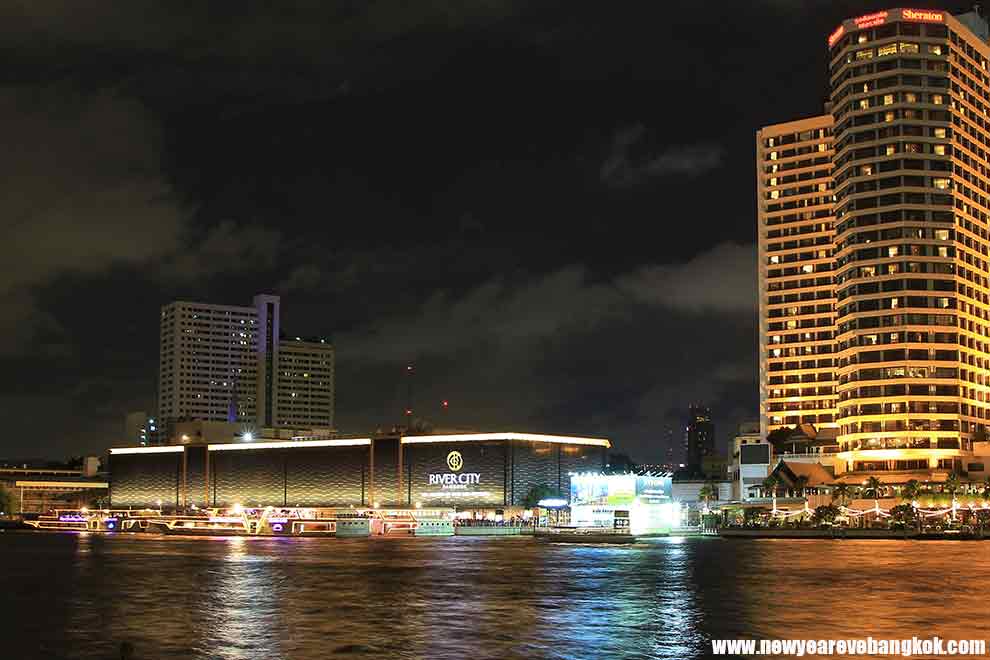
[[308, 474]]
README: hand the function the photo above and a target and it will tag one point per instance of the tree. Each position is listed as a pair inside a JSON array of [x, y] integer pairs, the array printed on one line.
[[911, 490], [825, 514], [769, 486], [952, 485], [873, 488], [7, 502], [537, 493], [779, 437], [842, 493], [903, 516], [708, 492]]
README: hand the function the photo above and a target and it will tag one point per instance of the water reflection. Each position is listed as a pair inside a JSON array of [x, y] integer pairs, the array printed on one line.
[[81, 596]]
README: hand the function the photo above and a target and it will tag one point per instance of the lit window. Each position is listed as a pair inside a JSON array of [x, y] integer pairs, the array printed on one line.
[[939, 133], [942, 234], [909, 48], [867, 170], [775, 259], [938, 99], [893, 251], [864, 54], [773, 181], [888, 116], [864, 104], [807, 268], [773, 155], [889, 49], [888, 99], [867, 271], [910, 97], [822, 146], [774, 194], [941, 184], [938, 149], [890, 150], [935, 49]]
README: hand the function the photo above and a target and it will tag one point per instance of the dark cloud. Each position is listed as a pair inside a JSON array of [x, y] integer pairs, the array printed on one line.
[[624, 167]]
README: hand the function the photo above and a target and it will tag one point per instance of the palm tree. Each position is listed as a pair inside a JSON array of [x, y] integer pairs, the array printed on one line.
[[911, 490], [841, 492], [952, 485], [769, 485], [708, 492], [873, 488]]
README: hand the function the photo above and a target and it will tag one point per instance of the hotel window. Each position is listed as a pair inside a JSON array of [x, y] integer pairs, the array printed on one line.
[[910, 97], [890, 150], [888, 99], [889, 49], [773, 155], [938, 149], [865, 54], [938, 99], [909, 48], [935, 49], [941, 184], [864, 104], [939, 132], [889, 116]]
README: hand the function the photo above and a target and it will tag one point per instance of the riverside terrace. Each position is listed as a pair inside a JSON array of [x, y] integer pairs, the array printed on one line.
[[464, 471]]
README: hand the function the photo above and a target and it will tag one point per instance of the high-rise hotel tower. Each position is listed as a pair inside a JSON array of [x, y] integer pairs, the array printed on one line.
[[873, 234], [230, 363]]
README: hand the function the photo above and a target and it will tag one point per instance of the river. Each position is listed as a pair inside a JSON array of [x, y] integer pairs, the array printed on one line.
[[82, 596]]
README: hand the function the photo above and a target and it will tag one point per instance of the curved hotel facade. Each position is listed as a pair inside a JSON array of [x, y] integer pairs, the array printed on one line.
[[873, 233]]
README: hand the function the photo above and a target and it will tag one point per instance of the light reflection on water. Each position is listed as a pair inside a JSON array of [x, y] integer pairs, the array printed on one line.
[[79, 596]]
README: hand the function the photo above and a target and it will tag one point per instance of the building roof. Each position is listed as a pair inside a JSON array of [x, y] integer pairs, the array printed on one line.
[[815, 473]]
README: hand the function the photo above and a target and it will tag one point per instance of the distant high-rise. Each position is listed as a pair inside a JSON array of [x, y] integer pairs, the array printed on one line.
[[229, 363], [699, 438], [139, 429], [874, 234]]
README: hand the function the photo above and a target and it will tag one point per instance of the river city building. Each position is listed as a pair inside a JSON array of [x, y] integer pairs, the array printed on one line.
[[497, 472], [228, 363], [874, 240]]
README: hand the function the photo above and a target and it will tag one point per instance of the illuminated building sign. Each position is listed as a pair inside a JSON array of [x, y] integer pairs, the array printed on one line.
[[870, 20], [925, 15], [835, 36], [882, 17], [452, 480]]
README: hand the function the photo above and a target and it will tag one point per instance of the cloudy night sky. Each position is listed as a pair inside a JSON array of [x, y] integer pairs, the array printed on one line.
[[547, 207]]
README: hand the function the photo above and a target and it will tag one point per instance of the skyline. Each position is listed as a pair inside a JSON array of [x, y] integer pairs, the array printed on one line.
[[506, 197]]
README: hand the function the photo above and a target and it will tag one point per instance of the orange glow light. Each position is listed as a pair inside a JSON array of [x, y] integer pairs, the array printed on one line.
[[835, 36], [925, 15], [871, 20]]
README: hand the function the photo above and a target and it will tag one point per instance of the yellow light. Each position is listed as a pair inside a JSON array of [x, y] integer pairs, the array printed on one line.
[[84, 509], [293, 444], [238, 509], [479, 437], [146, 450]]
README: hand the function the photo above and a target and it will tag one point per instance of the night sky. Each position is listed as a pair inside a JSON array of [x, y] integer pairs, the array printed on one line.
[[547, 207]]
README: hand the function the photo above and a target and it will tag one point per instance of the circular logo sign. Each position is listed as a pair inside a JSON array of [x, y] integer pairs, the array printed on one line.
[[455, 461]]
